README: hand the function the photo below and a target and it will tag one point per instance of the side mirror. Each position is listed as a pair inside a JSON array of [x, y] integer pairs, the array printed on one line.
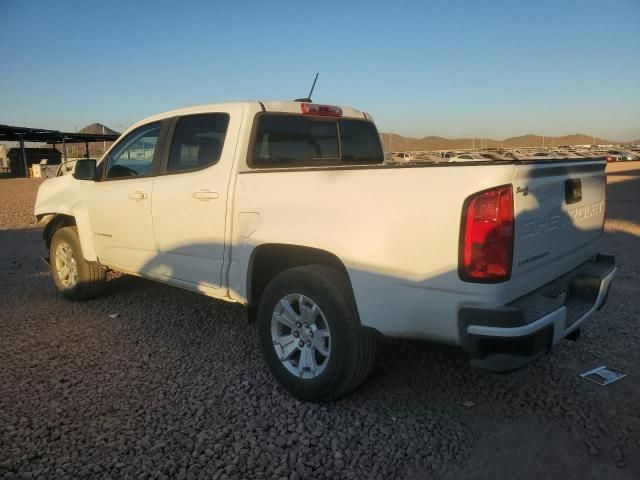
[[85, 169]]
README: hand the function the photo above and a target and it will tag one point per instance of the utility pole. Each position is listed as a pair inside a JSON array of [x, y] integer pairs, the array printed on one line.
[[24, 156]]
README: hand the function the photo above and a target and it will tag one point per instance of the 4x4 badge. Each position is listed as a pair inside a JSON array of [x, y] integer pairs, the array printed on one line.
[[523, 190]]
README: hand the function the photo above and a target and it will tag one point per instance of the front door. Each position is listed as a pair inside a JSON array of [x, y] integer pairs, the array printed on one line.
[[190, 197], [120, 202]]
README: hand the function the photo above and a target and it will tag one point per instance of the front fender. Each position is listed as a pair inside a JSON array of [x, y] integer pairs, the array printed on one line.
[[65, 196]]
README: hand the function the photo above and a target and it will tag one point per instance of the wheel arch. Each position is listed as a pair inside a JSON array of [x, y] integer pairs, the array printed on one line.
[[58, 221], [268, 260], [61, 220]]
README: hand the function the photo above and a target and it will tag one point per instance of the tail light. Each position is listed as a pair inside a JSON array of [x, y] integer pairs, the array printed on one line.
[[486, 236], [320, 110]]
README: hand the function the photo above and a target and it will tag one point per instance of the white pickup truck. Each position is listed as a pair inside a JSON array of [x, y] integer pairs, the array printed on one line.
[[287, 208]]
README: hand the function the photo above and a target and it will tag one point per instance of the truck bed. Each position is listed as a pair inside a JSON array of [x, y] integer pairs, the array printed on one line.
[[397, 230]]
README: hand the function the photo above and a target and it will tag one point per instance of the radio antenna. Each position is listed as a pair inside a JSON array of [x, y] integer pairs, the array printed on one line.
[[308, 99], [313, 86]]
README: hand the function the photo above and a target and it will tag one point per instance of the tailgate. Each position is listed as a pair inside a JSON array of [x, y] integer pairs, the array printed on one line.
[[559, 208]]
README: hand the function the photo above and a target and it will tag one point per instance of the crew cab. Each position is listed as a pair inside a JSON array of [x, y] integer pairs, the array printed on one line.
[[288, 208]]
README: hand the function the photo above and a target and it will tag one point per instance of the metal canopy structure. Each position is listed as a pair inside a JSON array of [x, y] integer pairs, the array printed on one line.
[[15, 134], [53, 137]]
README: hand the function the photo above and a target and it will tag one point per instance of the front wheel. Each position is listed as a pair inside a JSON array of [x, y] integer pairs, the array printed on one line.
[[310, 333], [75, 278]]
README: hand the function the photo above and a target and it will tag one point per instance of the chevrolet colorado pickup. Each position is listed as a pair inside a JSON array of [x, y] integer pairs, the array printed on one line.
[[289, 209]]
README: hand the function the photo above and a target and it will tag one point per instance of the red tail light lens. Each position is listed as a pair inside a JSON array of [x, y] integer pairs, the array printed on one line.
[[486, 237], [320, 110]]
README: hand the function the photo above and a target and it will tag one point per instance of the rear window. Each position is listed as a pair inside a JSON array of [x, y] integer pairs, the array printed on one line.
[[294, 140], [360, 142]]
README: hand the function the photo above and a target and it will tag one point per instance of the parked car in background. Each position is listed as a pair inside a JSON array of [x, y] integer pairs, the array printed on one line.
[[469, 157], [540, 155], [508, 155], [567, 154], [621, 155], [447, 155], [493, 156], [402, 157], [427, 157]]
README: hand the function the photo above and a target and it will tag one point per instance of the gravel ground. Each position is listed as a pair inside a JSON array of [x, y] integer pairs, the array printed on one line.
[[174, 387]]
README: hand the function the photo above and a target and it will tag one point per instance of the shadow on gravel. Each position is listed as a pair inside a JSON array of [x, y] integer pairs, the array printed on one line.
[[627, 197], [625, 173], [21, 253]]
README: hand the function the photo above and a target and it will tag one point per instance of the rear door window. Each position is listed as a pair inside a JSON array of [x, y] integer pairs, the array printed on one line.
[[197, 141], [294, 140]]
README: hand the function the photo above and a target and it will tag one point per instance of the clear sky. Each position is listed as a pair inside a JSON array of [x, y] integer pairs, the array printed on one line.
[[451, 68]]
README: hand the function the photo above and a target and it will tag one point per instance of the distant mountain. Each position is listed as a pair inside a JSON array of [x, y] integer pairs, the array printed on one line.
[[98, 128], [394, 142]]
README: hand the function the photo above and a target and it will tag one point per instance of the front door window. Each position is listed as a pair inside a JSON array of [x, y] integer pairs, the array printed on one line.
[[133, 156]]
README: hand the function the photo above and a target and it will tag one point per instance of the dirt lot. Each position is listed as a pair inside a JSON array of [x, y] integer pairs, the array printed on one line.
[[174, 387]]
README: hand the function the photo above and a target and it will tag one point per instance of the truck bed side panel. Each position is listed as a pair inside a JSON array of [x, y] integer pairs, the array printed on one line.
[[396, 231]]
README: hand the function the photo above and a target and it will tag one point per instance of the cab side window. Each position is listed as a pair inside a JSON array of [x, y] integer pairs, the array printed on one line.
[[133, 156], [197, 141]]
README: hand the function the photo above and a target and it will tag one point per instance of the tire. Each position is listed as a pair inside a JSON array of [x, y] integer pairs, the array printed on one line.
[[350, 350], [65, 258]]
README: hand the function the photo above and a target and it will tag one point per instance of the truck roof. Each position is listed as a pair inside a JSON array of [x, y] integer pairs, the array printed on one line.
[[268, 106]]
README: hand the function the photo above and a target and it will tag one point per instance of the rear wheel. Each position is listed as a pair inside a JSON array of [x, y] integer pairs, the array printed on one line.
[[310, 333], [75, 278]]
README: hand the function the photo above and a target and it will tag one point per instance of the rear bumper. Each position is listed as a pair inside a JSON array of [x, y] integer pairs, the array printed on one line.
[[507, 338]]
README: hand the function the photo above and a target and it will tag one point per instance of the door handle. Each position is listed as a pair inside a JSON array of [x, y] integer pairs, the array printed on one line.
[[138, 195], [205, 195]]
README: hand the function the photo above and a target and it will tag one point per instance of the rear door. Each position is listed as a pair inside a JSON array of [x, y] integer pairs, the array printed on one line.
[[190, 196], [559, 209]]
